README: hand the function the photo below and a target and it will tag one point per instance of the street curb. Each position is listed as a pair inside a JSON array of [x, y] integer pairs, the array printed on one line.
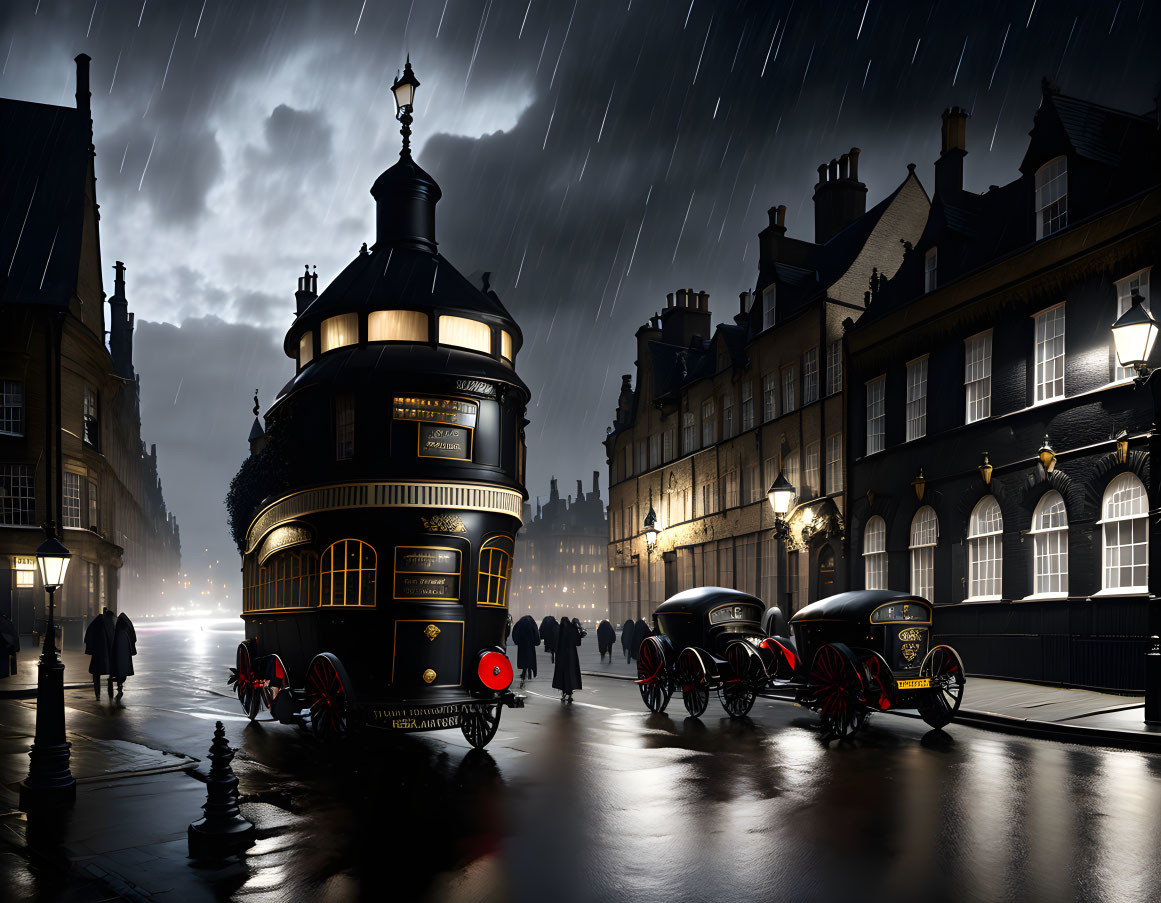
[[1011, 724], [30, 692]]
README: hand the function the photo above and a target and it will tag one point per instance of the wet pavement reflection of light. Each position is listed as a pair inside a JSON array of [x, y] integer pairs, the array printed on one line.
[[607, 802]]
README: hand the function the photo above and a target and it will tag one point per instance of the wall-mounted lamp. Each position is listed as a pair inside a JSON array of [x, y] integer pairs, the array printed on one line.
[[985, 470], [1047, 455], [651, 524], [780, 494], [919, 484], [1133, 335]]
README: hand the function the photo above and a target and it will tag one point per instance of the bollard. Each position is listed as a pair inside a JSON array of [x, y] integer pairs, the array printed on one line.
[[1153, 681], [222, 831]]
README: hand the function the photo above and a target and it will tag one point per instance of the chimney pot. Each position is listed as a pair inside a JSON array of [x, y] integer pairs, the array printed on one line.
[[83, 94], [821, 173], [833, 173], [743, 302], [782, 215], [703, 301], [853, 157], [843, 166], [669, 300]]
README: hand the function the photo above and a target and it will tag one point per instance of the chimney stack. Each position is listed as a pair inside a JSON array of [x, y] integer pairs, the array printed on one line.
[[688, 317], [839, 197], [596, 484], [83, 94], [953, 148], [120, 326], [307, 290]]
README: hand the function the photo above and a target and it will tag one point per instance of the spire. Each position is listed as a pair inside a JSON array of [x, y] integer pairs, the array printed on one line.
[[257, 434]]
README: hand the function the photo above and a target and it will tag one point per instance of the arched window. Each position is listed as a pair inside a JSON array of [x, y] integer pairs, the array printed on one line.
[[1125, 509], [1050, 539], [924, 535], [875, 553], [1052, 197], [986, 550], [348, 573], [495, 569]]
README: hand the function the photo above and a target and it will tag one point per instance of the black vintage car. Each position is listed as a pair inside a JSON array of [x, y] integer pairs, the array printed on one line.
[[850, 655]]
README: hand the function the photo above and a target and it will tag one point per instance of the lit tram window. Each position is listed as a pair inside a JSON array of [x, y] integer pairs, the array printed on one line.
[[339, 331], [305, 349], [465, 333], [397, 326], [506, 345]]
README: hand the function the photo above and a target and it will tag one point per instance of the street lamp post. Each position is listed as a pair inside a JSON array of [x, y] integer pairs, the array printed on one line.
[[404, 90], [49, 780], [781, 494], [1134, 334]]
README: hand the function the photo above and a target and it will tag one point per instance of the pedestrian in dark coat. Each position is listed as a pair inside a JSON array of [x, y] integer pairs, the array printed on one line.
[[99, 646], [606, 638], [124, 648], [548, 631], [527, 638], [627, 639], [640, 631], [567, 676]]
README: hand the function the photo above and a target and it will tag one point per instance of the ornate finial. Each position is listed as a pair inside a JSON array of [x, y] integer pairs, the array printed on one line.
[[223, 831], [363, 250], [256, 408]]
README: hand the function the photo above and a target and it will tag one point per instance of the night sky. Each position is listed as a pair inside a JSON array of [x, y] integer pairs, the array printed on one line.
[[593, 156]]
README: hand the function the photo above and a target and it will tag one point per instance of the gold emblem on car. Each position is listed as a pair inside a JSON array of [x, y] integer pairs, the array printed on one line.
[[431, 632], [429, 675]]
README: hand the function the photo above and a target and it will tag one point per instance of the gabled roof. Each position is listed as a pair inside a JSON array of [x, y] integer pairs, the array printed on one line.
[[1097, 132], [44, 160]]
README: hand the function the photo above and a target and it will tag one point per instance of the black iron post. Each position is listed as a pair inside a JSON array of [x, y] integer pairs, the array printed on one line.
[[223, 831], [1153, 615]]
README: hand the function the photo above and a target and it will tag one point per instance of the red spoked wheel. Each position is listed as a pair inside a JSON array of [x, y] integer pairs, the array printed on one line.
[[693, 678], [653, 678], [246, 685], [739, 689], [269, 687], [836, 690], [330, 697], [479, 724], [882, 690], [939, 705]]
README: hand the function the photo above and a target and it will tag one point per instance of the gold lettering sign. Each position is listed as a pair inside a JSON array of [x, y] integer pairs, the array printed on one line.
[[24, 562], [427, 573], [432, 409], [436, 441]]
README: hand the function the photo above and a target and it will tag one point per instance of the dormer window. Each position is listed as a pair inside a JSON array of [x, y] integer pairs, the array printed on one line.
[[305, 349], [397, 326], [465, 333], [339, 331], [1051, 197], [769, 294]]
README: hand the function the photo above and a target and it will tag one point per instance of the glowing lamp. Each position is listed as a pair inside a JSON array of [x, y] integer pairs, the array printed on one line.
[[52, 559], [1134, 334], [651, 527], [404, 89], [780, 494]]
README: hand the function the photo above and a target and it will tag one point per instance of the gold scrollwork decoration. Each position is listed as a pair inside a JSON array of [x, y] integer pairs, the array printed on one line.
[[429, 675], [444, 523], [431, 631]]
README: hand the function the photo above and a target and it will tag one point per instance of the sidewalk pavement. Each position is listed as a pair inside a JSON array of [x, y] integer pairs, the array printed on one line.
[[1009, 706], [22, 684]]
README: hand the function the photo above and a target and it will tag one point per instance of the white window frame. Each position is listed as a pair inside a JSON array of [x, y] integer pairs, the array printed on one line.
[[810, 376], [1051, 197], [931, 270], [17, 495], [770, 383], [876, 414], [747, 405], [789, 390], [917, 398], [834, 463], [769, 304], [654, 451], [924, 537], [11, 407], [834, 367], [875, 553], [986, 551], [70, 513], [977, 377], [1125, 515], [1139, 282], [688, 432], [1049, 353], [1049, 547], [813, 473], [709, 431]]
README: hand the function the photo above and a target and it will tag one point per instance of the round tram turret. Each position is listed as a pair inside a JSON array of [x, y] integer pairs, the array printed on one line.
[[381, 502]]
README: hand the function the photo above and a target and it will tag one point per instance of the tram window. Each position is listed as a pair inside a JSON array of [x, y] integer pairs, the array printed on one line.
[[495, 568], [465, 333], [348, 573], [287, 580], [339, 331]]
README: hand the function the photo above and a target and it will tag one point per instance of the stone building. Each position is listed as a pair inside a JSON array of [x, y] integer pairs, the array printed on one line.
[[108, 501], [561, 565], [1001, 459], [717, 412]]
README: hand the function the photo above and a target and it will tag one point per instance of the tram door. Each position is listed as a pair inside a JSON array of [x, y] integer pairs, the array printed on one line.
[[826, 570]]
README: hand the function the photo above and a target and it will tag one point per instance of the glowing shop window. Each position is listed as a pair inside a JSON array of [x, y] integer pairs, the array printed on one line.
[[339, 331], [24, 578], [465, 333], [506, 345], [348, 573], [305, 349], [397, 326]]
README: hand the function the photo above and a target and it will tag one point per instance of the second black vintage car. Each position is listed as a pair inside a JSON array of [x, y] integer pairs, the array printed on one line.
[[850, 655]]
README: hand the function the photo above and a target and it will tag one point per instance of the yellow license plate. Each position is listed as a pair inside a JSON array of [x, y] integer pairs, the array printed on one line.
[[919, 683]]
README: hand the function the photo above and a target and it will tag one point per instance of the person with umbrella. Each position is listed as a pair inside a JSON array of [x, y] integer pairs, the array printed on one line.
[[548, 631], [627, 640], [527, 638], [99, 648], [567, 677], [124, 648], [606, 637]]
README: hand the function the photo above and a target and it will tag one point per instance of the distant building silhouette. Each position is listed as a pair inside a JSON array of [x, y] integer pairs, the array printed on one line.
[[561, 558], [126, 547]]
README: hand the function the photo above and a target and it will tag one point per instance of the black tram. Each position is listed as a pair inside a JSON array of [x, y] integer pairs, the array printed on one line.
[[850, 655], [378, 511]]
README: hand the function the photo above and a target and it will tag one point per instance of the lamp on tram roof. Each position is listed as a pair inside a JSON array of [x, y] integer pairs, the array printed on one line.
[[404, 89], [780, 494], [1133, 335]]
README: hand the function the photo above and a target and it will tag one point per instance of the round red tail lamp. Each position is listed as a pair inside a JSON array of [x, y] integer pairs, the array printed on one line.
[[494, 670]]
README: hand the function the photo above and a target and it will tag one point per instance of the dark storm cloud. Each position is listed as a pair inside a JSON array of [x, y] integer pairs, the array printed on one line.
[[593, 156]]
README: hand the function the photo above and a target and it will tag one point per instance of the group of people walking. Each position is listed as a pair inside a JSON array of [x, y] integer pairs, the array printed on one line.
[[111, 643]]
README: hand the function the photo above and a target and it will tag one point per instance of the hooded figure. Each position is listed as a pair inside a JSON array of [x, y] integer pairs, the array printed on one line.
[[124, 648], [99, 645], [640, 631], [606, 637], [548, 631], [526, 638], [567, 676], [627, 639]]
